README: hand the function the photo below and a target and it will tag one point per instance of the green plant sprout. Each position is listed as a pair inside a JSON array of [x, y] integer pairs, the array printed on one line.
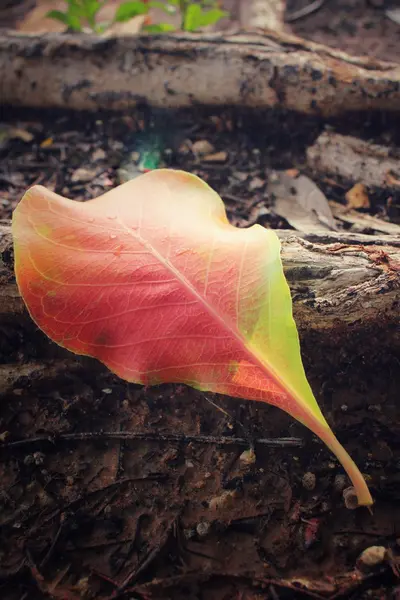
[[82, 14]]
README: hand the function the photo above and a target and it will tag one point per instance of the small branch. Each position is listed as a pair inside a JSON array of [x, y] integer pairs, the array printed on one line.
[[305, 11], [85, 72], [288, 442]]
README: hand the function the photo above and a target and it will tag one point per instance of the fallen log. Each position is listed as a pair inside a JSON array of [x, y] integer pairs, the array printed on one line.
[[345, 290], [86, 72], [353, 159]]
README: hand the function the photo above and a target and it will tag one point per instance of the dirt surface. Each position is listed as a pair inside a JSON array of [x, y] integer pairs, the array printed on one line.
[[109, 490], [359, 27], [96, 515]]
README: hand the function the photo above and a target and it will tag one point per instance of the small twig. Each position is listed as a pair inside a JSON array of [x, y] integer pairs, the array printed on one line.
[[252, 581], [283, 442], [150, 556], [305, 11], [50, 551]]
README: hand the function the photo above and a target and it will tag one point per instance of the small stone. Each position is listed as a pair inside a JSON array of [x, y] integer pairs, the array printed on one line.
[[82, 175], [256, 183], [350, 498], [135, 156], [189, 533], [4, 436], [340, 482], [203, 529], [202, 148], [372, 557], [38, 458], [99, 154], [217, 157], [248, 457], [309, 480], [222, 501]]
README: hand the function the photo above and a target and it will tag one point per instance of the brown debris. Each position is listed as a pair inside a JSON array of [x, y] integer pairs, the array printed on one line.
[[357, 197]]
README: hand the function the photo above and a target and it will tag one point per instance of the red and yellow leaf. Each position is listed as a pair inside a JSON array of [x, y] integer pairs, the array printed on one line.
[[152, 280]]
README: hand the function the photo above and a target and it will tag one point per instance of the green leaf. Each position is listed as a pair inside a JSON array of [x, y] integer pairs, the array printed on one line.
[[192, 19], [91, 8], [129, 10], [212, 16], [58, 16], [196, 17], [159, 28], [69, 20]]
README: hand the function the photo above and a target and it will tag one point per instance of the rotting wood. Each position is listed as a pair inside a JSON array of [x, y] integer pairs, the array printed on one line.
[[180, 70], [354, 160]]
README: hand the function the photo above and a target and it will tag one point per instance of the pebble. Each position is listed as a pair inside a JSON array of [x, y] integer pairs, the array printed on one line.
[[340, 482], [203, 528], [350, 498], [222, 501], [309, 480], [82, 175], [202, 148], [256, 183], [248, 457], [99, 154], [372, 557], [38, 458]]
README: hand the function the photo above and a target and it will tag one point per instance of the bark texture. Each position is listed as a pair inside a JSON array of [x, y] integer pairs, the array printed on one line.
[[354, 160], [345, 289], [85, 72]]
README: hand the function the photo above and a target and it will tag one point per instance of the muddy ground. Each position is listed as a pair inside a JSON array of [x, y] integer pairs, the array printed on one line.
[[98, 497]]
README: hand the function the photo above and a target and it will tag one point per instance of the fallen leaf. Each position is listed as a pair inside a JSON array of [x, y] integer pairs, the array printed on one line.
[[202, 148], [391, 180], [300, 202], [82, 175], [21, 134], [152, 280], [393, 14], [218, 157], [47, 143], [357, 197]]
